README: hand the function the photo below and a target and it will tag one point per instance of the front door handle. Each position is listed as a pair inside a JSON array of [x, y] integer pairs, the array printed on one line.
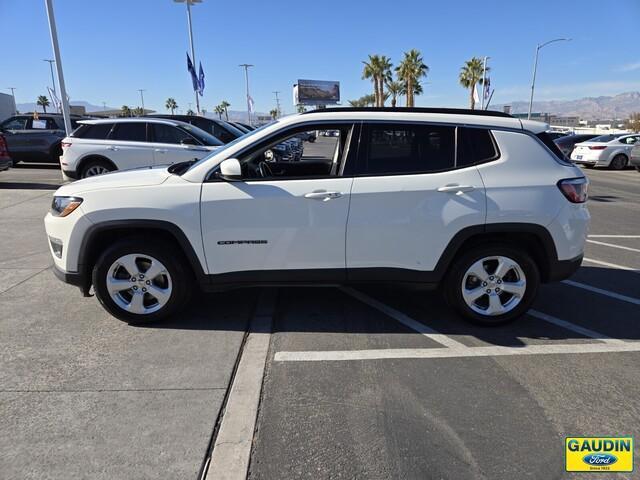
[[323, 195], [457, 189]]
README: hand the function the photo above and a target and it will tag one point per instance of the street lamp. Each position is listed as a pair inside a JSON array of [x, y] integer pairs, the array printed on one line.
[[535, 68], [246, 79], [193, 53], [142, 99]]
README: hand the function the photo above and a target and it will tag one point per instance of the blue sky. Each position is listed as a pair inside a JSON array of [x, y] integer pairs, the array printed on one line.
[[111, 48]]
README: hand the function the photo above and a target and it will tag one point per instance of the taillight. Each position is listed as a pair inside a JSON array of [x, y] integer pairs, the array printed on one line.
[[4, 151], [574, 189], [597, 147], [65, 144]]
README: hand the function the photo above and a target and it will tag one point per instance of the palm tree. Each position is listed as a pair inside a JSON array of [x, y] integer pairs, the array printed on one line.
[[125, 111], [224, 104], [470, 75], [274, 113], [171, 104], [411, 70], [43, 102], [378, 69], [219, 109], [394, 89]]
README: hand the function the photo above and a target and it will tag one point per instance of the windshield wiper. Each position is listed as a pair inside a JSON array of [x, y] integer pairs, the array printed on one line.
[[181, 167]]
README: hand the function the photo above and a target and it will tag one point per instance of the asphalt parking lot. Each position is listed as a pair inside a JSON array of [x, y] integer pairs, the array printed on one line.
[[358, 383]]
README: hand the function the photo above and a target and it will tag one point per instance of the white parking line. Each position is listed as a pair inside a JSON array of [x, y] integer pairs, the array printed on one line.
[[614, 236], [404, 319], [406, 353], [602, 291], [612, 245], [575, 328], [612, 265]]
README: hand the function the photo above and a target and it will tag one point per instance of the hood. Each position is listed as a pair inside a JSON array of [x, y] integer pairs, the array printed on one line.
[[129, 178]]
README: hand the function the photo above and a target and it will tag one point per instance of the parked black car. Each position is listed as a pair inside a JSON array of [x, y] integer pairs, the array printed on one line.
[[566, 143], [223, 131], [38, 139]]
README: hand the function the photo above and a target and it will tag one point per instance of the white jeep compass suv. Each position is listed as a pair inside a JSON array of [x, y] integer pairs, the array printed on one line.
[[479, 203]]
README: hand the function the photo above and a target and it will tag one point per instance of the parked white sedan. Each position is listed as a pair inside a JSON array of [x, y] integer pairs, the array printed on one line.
[[611, 151], [102, 146]]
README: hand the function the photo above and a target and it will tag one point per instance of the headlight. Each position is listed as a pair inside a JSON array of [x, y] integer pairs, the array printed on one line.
[[63, 206]]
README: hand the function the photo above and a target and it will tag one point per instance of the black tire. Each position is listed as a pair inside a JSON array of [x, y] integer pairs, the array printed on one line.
[[181, 279], [452, 287], [92, 165], [619, 162]]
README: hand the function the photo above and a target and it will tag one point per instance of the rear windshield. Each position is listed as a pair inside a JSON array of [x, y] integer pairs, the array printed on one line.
[[546, 139]]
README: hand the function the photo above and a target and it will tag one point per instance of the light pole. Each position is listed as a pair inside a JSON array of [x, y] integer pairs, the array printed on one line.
[[56, 54], [277, 103], [246, 79], [535, 68], [142, 99], [193, 53], [13, 94], [53, 82]]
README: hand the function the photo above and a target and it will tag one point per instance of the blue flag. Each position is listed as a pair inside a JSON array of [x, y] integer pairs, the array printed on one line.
[[192, 71], [200, 79]]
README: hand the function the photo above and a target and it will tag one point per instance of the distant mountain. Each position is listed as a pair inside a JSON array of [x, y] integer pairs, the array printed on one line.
[[589, 108]]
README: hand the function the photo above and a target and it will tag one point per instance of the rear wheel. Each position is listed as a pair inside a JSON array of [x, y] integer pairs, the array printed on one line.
[[618, 162], [492, 285], [96, 167], [141, 283]]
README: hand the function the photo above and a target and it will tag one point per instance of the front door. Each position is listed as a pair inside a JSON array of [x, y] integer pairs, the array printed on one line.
[[286, 220]]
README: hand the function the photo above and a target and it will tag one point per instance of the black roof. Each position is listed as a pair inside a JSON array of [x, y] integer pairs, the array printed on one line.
[[450, 111]]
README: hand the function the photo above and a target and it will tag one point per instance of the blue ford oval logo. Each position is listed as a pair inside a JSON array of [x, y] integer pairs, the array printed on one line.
[[600, 459]]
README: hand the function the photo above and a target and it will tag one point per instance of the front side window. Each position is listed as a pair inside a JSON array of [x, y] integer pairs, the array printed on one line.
[[394, 149], [299, 153], [130, 132]]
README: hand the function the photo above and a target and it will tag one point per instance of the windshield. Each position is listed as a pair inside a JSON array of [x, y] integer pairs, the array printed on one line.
[[203, 136], [230, 144]]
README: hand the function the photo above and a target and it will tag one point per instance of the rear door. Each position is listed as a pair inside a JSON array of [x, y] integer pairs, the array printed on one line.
[[412, 193], [128, 147]]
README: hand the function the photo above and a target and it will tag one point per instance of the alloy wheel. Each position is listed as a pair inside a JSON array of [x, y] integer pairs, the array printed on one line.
[[493, 285], [139, 283]]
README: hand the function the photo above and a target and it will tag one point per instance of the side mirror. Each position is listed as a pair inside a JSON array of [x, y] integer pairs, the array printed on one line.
[[230, 170], [188, 141]]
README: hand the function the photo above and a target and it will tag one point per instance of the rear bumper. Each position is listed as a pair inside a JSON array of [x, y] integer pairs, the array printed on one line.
[[561, 269]]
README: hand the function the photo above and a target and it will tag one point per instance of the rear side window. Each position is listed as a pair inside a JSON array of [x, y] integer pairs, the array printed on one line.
[[544, 138], [402, 149], [475, 145], [99, 131], [130, 132]]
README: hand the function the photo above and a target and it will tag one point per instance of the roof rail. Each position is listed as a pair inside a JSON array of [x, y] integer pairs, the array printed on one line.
[[450, 111]]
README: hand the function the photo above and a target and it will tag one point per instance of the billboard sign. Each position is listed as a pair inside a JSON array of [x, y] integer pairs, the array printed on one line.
[[316, 92]]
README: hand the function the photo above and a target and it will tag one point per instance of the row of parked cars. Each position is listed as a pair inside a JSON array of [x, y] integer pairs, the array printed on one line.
[[98, 146], [615, 151]]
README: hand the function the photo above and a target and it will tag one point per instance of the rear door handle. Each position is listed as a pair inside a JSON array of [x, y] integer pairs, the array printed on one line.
[[457, 189], [323, 195]]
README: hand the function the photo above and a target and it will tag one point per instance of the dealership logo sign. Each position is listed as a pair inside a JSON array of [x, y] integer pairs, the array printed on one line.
[[599, 454]]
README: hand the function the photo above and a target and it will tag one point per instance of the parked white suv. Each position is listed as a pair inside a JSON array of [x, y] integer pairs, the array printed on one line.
[[480, 203], [102, 146]]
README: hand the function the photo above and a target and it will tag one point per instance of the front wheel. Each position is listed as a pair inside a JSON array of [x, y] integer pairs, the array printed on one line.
[[141, 283], [492, 285]]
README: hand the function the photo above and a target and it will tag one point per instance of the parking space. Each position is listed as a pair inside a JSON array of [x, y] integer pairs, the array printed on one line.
[[384, 382]]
